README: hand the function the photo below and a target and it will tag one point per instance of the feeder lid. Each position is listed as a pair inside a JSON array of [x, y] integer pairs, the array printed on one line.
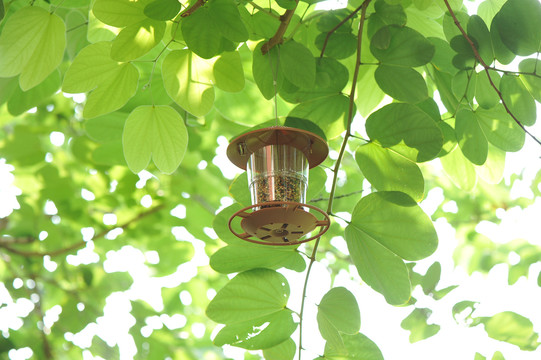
[[314, 148]]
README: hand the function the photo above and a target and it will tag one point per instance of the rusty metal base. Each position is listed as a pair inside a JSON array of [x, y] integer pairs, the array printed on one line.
[[279, 223]]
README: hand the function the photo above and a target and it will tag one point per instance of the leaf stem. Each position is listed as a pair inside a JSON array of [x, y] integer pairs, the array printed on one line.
[[487, 68], [363, 7]]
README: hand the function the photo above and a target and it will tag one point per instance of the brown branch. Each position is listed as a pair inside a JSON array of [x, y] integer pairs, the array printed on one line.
[[192, 8], [337, 27], [278, 37], [80, 244], [364, 6], [487, 68]]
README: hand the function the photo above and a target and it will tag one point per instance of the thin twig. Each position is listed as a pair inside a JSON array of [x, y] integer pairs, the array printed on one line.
[[81, 244], [337, 197], [337, 27], [487, 68], [264, 11], [338, 160]]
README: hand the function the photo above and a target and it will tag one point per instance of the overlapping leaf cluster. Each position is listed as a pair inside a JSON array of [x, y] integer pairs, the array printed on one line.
[[166, 81]]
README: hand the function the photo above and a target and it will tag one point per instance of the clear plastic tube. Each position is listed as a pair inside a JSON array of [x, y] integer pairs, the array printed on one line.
[[277, 173]]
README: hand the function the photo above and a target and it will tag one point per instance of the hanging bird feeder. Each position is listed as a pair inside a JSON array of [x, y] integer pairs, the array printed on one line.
[[277, 160]]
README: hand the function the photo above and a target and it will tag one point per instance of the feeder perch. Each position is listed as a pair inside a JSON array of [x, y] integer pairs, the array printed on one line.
[[277, 160]]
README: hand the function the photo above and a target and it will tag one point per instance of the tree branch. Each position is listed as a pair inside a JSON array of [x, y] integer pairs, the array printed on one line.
[[487, 68], [81, 244], [364, 6], [192, 8], [278, 37]]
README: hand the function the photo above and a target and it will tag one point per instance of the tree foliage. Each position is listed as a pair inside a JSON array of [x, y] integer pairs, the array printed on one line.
[[94, 92]]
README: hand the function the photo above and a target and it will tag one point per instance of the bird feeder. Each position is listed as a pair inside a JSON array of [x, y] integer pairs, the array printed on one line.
[[277, 160]]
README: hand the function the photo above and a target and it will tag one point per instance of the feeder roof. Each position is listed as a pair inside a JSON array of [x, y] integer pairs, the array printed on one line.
[[314, 148]]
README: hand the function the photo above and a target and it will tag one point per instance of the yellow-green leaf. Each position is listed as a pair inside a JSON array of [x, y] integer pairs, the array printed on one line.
[[32, 44], [137, 39], [187, 80], [156, 132]]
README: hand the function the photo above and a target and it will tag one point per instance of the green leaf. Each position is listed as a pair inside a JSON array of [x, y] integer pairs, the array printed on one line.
[[249, 296], [187, 80], [112, 84], [470, 136], [357, 347], [502, 53], [331, 78], [266, 71], [106, 127], [261, 333], [518, 99], [416, 323], [236, 258], [532, 82], [23, 147], [283, 351], [401, 83], [297, 64], [518, 25], [201, 33], [407, 130], [412, 236], [480, 35], [431, 278], [512, 328], [492, 170], [401, 46], [369, 95], [228, 21], [340, 308], [287, 4], [21, 101], [326, 112], [137, 39], [487, 9], [228, 72], [119, 13], [154, 131], [340, 45], [162, 9], [389, 171], [380, 268], [500, 129], [463, 85], [460, 170], [32, 44], [485, 94]]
